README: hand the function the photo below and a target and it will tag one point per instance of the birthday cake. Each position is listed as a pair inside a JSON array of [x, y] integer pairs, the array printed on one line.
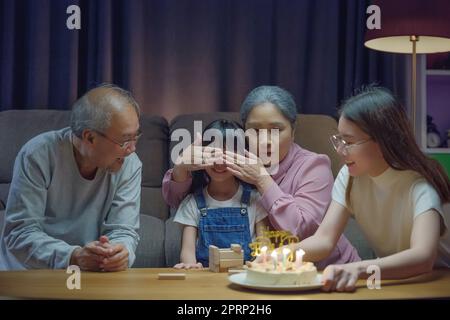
[[266, 273]]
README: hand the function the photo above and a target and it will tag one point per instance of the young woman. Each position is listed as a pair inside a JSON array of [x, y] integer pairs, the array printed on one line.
[[395, 193], [220, 210]]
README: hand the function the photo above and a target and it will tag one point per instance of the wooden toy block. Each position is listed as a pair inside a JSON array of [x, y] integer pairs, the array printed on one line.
[[214, 256], [214, 252], [230, 263], [220, 260], [171, 276], [217, 268], [230, 254]]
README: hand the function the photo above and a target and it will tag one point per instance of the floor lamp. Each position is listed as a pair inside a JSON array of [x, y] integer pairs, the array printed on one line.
[[411, 27]]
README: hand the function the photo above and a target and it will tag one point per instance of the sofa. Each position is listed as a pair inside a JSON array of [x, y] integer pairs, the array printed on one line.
[[160, 236]]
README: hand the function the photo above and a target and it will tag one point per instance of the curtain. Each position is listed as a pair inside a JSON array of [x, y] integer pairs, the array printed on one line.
[[184, 56]]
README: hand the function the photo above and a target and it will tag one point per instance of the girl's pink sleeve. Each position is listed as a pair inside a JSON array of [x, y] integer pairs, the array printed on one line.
[[174, 192], [302, 210]]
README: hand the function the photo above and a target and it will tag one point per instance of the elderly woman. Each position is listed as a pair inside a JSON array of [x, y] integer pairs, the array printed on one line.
[[297, 194]]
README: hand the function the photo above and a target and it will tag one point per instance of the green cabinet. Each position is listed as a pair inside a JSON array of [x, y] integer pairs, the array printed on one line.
[[444, 160]]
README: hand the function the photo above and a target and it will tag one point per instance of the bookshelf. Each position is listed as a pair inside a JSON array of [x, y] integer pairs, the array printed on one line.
[[434, 107]]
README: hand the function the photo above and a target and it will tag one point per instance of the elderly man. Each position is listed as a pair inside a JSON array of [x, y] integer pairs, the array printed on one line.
[[75, 192]]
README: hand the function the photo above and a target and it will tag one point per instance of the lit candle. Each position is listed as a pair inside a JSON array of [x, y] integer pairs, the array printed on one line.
[[263, 253], [286, 252], [299, 257], [274, 259]]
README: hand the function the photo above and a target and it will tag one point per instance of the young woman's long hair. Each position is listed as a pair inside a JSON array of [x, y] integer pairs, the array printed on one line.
[[379, 114], [200, 178]]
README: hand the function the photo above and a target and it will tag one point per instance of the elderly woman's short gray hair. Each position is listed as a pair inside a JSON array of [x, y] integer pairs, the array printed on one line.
[[277, 96], [96, 113]]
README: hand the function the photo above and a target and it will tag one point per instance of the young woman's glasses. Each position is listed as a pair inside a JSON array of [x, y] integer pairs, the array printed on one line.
[[339, 144], [125, 144]]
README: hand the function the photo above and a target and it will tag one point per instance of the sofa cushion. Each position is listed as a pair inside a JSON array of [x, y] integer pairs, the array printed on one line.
[[172, 245], [153, 204], [150, 250], [152, 150]]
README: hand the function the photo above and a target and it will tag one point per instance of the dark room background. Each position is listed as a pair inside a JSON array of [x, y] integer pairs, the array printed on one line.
[[183, 56]]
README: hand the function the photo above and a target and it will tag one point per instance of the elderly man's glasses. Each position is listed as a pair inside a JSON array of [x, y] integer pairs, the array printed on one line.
[[125, 144], [343, 146]]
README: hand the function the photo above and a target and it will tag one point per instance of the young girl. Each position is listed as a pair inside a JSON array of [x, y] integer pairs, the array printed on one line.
[[395, 193], [221, 210]]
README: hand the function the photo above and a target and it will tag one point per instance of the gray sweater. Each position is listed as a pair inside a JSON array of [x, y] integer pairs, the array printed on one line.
[[52, 209]]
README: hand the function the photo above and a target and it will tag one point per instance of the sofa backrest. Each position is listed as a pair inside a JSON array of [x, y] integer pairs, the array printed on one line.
[[312, 131], [19, 126], [16, 128]]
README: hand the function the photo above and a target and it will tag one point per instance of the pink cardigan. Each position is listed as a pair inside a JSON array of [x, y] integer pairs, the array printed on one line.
[[297, 201]]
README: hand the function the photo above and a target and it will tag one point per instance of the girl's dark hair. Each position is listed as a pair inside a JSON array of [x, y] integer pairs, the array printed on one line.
[[200, 178], [379, 114]]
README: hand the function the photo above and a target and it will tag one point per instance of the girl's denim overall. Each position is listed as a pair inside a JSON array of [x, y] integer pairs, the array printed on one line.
[[223, 226]]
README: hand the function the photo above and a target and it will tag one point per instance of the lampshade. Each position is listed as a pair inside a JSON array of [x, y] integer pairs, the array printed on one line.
[[401, 19]]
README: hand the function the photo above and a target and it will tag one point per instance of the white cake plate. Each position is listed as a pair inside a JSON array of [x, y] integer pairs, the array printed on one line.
[[241, 280]]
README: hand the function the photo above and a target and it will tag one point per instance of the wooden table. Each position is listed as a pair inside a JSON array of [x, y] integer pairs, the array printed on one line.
[[199, 284]]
